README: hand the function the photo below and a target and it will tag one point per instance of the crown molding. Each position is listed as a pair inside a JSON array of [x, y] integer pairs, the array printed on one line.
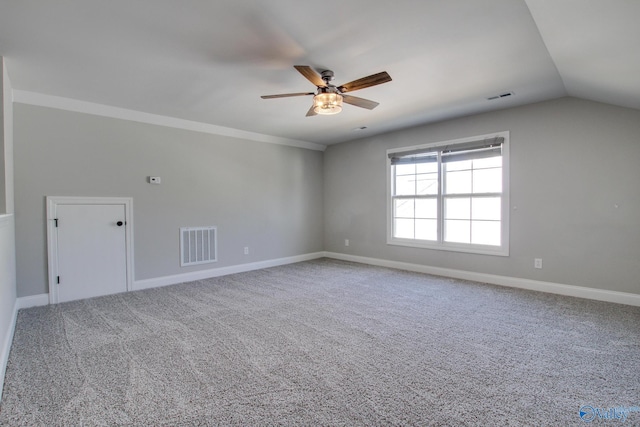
[[75, 105]]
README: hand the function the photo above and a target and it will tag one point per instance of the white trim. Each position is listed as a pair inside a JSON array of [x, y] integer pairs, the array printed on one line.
[[44, 299], [222, 271], [52, 243], [8, 279], [68, 104], [450, 247], [32, 301], [513, 282], [7, 102], [626, 298]]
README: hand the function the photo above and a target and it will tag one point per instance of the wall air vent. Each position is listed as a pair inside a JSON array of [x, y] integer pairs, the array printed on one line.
[[502, 95], [198, 245]]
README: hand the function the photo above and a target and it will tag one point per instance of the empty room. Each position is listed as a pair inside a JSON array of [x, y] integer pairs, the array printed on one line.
[[346, 213]]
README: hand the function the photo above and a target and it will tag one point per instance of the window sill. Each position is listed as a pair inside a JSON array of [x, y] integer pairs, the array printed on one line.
[[451, 247]]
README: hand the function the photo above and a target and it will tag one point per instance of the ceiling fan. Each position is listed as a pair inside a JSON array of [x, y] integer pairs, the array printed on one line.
[[328, 98]]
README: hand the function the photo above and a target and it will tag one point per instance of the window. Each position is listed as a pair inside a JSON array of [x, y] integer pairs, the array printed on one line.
[[451, 195]]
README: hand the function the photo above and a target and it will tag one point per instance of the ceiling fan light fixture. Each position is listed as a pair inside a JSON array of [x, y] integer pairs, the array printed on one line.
[[328, 99], [327, 103]]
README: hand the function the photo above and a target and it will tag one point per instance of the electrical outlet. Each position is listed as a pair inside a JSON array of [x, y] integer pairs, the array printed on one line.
[[246, 250], [537, 263], [154, 180], [346, 242]]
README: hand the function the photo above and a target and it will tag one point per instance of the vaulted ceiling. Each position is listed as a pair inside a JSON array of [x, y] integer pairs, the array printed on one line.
[[210, 61]]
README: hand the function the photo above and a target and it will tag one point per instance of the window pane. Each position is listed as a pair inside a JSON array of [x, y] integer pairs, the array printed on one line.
[[427, 208], [458, 182], [405, 185], [452, 195], [427, 229], [485, 233], [457, 231], [403, 208], [487, 181], [456, 166], [491, 162], [457, 208], [486, 208], [431, 167], [405, 169], [427, 184], [403, 228]]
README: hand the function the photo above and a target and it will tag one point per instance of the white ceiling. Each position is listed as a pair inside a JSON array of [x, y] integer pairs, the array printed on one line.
[[209, 61]]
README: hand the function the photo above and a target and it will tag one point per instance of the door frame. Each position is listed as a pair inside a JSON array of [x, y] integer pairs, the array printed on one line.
[[52, 235]]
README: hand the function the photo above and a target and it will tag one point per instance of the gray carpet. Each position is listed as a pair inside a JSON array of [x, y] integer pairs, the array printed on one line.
[[323, 342]]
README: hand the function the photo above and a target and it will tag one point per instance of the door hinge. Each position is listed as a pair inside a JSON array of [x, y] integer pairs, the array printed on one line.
[[58, 280], [56, 220]]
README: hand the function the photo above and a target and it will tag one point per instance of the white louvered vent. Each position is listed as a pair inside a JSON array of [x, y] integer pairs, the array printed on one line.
[[198, 245]]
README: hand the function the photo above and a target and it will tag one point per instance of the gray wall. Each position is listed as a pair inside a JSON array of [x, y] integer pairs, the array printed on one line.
[[7, 228], [265, 196], [571, 161]]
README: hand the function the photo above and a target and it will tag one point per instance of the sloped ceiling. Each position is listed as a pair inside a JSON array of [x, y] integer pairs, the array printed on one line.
[[209, 62], [595, 46]]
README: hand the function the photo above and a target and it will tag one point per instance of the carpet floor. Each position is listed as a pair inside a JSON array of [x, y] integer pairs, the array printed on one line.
[[323, 342]]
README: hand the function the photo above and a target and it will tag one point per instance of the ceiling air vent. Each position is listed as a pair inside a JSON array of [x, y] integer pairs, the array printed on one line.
[[502, 95]]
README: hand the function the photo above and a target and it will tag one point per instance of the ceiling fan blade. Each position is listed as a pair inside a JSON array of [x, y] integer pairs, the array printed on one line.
[[311, 112], [372, 80], [286, 95], [310, 75], [360, 102]]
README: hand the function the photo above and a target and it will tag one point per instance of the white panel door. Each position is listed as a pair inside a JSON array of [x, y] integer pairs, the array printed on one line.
[[91, 250]]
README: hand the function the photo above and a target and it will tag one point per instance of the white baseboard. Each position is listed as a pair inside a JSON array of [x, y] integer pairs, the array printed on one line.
[[514, 282], [32, 301], [43, 299], [222, 271]]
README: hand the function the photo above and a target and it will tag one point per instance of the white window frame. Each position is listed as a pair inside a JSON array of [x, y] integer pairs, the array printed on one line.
[[502, 250]]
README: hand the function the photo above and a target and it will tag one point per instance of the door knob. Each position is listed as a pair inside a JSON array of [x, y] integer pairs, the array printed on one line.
[[119, 223]]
